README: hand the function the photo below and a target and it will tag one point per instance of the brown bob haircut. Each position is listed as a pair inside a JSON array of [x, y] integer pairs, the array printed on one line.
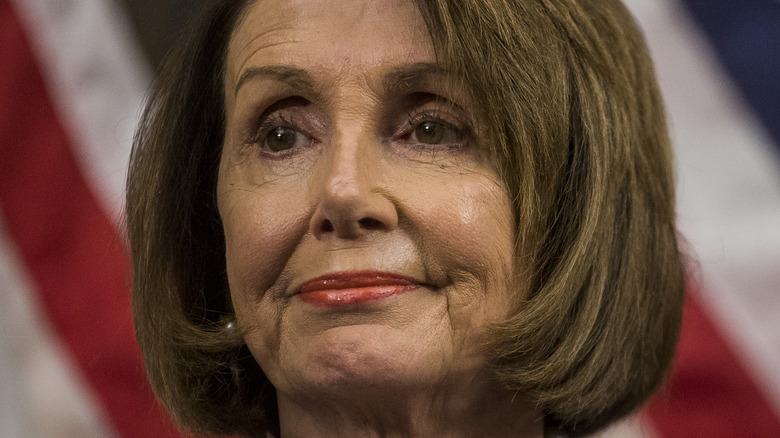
[[568, 91]]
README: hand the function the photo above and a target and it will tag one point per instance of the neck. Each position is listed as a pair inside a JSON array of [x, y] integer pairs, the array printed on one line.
[[475, 409]]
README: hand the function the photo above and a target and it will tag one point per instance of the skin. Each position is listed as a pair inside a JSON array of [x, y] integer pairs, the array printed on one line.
[[347, 148]]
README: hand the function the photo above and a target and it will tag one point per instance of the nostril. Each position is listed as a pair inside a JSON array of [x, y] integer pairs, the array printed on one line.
[[369, 223], [327, 226]]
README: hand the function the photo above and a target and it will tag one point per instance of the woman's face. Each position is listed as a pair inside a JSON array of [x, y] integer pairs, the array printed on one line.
[[369, 238]]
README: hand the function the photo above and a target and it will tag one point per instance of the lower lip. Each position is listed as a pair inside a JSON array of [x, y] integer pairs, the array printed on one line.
[[353, 288], [343, 297]]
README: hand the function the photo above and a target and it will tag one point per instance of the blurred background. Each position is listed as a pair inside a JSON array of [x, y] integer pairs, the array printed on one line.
[[73, 75]]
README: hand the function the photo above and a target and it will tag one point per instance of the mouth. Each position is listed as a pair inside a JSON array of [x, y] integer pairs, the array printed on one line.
[[354, 287]]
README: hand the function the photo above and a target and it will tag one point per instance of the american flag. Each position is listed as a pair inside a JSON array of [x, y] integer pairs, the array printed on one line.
[[72, 83]]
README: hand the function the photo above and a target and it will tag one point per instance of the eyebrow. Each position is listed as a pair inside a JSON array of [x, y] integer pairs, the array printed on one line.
[[405, 76], [297, 78]]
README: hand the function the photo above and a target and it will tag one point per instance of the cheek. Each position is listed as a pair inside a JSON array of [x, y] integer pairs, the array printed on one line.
[[471, 223], [261, 232], [257, 237], [262, 229], [469, 231]]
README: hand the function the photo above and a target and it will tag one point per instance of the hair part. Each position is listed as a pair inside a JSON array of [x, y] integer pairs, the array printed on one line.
[[567, 92]]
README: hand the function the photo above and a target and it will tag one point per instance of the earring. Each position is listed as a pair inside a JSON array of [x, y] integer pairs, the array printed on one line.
[[228, 322]]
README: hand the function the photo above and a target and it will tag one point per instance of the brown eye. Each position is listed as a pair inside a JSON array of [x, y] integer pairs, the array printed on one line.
[[430, 132], [283, 138]]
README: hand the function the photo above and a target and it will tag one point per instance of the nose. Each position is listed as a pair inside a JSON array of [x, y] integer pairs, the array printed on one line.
[[352, 203]]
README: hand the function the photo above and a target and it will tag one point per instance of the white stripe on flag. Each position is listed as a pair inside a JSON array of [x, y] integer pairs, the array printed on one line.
[[42, 394], [97, 79]]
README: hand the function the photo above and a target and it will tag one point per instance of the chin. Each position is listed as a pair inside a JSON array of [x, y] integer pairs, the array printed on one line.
[[367, 357]]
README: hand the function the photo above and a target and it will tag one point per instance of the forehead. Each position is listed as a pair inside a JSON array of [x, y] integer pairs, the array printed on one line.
[[326, 36]]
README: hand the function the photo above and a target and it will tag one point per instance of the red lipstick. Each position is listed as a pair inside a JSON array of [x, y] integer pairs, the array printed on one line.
[[354, 287]]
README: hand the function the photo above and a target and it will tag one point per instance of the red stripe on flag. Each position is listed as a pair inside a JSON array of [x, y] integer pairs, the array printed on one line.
[[710, 394], [69, 246]]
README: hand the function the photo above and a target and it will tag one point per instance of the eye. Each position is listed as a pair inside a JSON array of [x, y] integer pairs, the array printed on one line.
[[429, 129], [430, 132], [279, 135], [283, 138]]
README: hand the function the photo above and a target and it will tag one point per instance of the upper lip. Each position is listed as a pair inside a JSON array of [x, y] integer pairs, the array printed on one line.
[[355, 279]]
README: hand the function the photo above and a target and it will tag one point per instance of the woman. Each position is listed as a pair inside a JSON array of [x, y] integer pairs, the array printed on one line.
[[439, 218]]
